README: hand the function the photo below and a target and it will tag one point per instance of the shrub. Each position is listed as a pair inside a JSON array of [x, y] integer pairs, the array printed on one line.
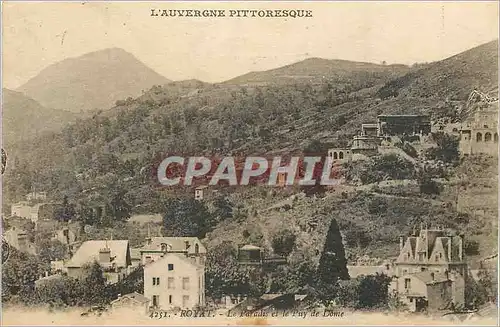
[[284, 242], [365, 292], [446, 149]]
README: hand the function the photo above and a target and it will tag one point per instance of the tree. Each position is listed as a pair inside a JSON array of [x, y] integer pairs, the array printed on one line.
[[296, 278], [51, 250], [224, 276], [186, 217], [94, 285], [332, 263], [19, 274], [426, 184], [488, 283], [284, 242], [446, 150], [66, 212], [223, 208], [365, 292], [59, 292], [120, 209]]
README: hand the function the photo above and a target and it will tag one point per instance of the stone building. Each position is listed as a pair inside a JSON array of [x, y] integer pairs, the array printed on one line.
[[396, 125], [19, 239], [431, 270], [479, 134], [175, 281]]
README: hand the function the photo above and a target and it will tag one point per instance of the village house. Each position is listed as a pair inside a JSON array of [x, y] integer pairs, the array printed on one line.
[[113, 256], [19, 240], [36, 196], [21, 209], [431, 270], [398, 125], [39, 211], [68, 235], [367, 142], [131, 301], [156, 247], [175, 281], [251, 255], [199, 192]]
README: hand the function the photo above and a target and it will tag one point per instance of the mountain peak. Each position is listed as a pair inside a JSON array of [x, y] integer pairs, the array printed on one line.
[[95, 80]]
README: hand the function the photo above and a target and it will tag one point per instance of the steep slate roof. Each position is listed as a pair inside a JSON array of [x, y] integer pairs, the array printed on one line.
[[433, 239], [88, 252], [165, 257], [177, 244]]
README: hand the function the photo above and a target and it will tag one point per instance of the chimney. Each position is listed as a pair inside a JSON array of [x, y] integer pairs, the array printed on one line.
[[105, 255], [401, 243], [449, 248]]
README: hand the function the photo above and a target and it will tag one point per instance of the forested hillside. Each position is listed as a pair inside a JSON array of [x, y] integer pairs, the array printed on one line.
[[110, 157]]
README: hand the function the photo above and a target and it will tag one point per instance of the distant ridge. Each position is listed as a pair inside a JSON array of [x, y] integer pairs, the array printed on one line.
[[24, 118], [315, 69]]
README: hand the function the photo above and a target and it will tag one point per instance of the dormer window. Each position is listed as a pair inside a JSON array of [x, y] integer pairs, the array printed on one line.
[[164, 247]]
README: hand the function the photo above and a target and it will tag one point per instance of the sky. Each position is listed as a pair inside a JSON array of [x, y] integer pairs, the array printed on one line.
[[36, 35]]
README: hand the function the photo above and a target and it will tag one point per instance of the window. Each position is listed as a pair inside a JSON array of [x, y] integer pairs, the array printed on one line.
[[487, 137], [341, 155], [185, 283], [170, 266], [437, 258], [185, 301], [196, 249], [495, 137], [479, 137], [440, 255], [170, 283], [411, 300], [155, 300], [170, 299], [335, 155], [420, 257], [423, 269], [407, 283], [156, 281]]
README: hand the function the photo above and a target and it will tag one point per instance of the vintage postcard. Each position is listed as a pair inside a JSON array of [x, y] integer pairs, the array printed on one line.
[[249, 163]]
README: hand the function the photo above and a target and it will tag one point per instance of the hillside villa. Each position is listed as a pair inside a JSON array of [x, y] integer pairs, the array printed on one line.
[[431, 270], [175, 281]]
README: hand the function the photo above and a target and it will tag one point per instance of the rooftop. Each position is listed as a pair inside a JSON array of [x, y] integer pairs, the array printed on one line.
[[88, 252]]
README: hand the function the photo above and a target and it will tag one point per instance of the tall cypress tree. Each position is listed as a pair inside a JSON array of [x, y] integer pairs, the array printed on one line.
[[332, 263]]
